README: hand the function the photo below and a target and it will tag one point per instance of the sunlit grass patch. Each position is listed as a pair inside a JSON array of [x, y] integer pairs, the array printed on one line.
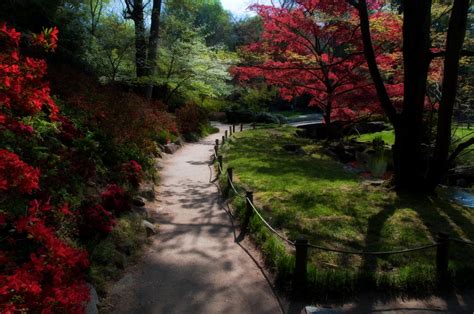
[[313, 196]]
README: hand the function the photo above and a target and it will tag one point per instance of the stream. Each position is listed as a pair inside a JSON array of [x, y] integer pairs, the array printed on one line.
[[458, 195]]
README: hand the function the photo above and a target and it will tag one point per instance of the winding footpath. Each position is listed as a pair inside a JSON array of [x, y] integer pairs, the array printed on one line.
[[194, 264]]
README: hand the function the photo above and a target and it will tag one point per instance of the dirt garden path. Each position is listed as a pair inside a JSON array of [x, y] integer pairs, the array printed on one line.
[[193, 264]]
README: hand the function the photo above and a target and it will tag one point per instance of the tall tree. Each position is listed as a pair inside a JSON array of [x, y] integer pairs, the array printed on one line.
[[417, 167], [146, 52], [314, 49], [153, 42], [134, 10]]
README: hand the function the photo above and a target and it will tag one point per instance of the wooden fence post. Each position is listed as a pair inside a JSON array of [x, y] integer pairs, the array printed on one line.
[[241, 127], [248, 209], [230, 130], [226, 135], [219, 160], [301, 262], [442, 257], [217, 142], [216, 149], [233, 128], [230, 174], [223, 140]]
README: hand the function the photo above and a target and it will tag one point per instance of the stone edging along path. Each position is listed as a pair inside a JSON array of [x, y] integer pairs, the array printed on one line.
[[193, 265]]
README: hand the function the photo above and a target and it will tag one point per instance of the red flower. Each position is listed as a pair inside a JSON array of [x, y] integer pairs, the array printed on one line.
[[96, 220], [115, 199], [15, 174], [10, 33], [133, 172]]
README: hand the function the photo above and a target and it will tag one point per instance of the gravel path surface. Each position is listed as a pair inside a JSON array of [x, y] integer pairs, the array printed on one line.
[[194, 264]]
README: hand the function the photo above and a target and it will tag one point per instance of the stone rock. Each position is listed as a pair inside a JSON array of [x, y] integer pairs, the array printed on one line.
[[320, 310], [375, 183], [138, 201], [151, 229], [147, 190], [92, 306], [142, 211], [120, 260], [91, 184], [179, 142], [294, 148], [171, 148], [345, 153]]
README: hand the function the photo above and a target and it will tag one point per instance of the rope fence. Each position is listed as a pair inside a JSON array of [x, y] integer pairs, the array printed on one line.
[[302, 245]]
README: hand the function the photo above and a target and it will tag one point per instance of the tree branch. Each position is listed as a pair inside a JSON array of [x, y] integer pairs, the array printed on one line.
[[460, 148], [382, 93], [464, 53]]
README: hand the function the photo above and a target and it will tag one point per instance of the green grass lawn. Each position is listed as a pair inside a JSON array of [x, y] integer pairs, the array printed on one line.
[[313, 196], [459, 134]]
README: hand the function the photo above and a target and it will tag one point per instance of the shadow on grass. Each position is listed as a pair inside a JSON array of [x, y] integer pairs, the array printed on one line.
[[331, 209]]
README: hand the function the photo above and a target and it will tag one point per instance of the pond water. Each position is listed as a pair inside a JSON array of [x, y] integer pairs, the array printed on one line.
[[460, 196]]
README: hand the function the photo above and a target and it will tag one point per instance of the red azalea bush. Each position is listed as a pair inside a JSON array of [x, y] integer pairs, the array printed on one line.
[[17, 175], [124, 117], [133, 172], [115, 199], [96, 220], [22, 86], [190, 118], [68, 130], [39, 270], [45, 274]]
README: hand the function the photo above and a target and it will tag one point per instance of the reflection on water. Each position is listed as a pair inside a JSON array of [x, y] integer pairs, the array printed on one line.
[[460, 196]]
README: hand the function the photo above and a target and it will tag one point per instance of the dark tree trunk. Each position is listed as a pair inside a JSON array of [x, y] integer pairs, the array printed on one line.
[[413, 170], [153, 45], [135, 11], [455, 40], [140, 39], [410, 171], [369, 53]]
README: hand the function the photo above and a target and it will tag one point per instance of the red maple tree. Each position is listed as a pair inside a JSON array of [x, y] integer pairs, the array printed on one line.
[[315, 49]]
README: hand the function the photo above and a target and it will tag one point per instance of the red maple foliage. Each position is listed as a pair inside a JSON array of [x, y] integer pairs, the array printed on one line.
[[315, 49]]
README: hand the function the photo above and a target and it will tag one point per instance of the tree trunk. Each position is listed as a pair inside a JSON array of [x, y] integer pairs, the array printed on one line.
[[455, 40], [140, 38], [410, 162], [327, 119], [153, 45]]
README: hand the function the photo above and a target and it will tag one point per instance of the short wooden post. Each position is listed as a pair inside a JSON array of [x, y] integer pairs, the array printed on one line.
[[226, 134], [442, 257], [216, 149], [223, 139], [248, 209], [241, 127], [217, 142], [230, 174], [233, 128], [230, 130], [301, 262], [219, 160]]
